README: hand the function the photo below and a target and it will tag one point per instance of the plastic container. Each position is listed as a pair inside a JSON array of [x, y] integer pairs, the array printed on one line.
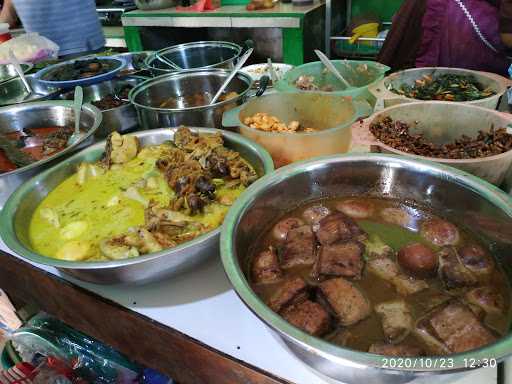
[[330, 114], [387, 98], [4, 33], [361, 74], [442, 122], [364, 30]]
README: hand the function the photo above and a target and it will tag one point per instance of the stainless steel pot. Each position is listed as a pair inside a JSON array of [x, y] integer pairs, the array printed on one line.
[[19, 209], [465, 199], [41, 114], [122, 119], [196, 55], [182, 86], [13, 91]]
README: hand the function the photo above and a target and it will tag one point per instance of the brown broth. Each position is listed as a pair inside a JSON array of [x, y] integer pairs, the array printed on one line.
[[33, 146], [377, 290]]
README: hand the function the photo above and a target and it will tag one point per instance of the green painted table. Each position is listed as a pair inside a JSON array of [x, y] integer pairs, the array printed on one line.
[[291, 19]]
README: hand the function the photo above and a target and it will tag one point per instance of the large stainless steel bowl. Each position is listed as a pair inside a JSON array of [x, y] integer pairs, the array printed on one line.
[[19, 209], [43, 114], [193, 56], [149, 96], [122, 119], [13, 91], [465, 199]]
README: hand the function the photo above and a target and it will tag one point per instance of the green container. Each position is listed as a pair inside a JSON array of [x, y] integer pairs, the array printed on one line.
[[359, 73]]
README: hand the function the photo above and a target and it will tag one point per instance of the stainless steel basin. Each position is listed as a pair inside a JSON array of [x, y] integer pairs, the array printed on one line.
[[20, 207], [465, 199], [181, 87], [13, 91], [122, 119], [42, 114], [193, 56]]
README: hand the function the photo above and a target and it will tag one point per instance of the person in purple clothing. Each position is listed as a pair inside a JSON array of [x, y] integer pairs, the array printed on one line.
[[472, 34]]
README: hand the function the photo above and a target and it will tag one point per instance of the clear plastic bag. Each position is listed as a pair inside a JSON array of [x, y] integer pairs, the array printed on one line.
[[90, 359], [29, 48]]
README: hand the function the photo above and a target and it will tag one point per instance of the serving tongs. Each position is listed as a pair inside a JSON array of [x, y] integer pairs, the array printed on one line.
[[330, 66], [238, 65]]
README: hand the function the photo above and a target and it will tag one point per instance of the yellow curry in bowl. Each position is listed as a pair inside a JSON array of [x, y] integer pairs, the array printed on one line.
[[136, 201]]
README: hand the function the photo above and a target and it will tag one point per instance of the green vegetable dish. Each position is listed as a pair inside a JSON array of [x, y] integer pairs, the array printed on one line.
[[447, 87], [137, 200]]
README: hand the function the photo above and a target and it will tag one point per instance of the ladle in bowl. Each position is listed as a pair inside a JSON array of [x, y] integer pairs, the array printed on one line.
[[77, 107], [330, 66], [238, 65]]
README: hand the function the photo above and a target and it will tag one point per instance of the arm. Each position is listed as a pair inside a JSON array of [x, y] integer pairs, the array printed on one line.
[[8, 14]]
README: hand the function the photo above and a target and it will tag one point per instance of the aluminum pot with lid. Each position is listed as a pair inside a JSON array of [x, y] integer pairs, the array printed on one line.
[[182, 98], [192, 56]]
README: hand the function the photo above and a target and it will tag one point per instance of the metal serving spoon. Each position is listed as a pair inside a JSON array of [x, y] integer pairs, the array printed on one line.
[[330, 66], [77, 106], [272, 71], [239, 65], [14, 61]]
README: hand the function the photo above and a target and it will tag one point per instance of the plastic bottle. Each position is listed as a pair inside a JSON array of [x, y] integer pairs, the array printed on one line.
[[4, 32]]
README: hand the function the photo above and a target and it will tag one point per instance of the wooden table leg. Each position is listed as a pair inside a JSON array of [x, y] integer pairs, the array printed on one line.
[[293, 45], [132, 37]]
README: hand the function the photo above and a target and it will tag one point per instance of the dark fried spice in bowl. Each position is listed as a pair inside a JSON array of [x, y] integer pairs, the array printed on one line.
[[396, 135], [113, 101]]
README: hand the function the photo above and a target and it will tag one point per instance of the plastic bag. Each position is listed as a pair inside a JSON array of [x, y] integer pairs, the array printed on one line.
[[29, 48], [89, 359]]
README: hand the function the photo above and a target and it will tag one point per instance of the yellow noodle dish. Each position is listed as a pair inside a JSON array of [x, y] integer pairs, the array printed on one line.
[[137, 200]]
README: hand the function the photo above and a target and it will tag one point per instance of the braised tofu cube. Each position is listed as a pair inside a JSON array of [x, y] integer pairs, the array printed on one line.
[[397, 320], [265, 267], [340, 259], [389, 270], [458, 327], [338, 227], [299, 247], [292, 291], [345, 300], [309, 316]]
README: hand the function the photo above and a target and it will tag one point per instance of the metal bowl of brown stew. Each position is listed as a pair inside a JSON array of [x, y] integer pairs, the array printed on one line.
[[376, 268]]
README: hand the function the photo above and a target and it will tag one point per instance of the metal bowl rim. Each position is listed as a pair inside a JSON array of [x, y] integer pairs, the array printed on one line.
[[383, 68], [7, 215], [202, 44], [269, 134], [500, 88], [436, 104], [51, 90], [55, 103], [195, 73], [26, 67], [39, 74], [122, 107], [499, 349]]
